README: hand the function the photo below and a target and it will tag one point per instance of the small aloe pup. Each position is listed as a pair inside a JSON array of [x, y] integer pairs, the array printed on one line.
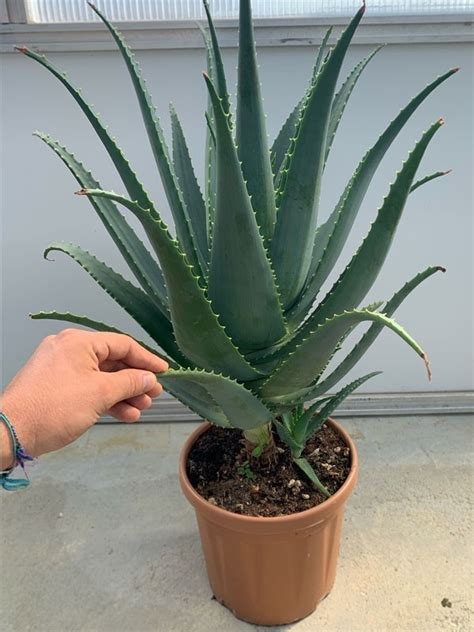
[[232, 299]]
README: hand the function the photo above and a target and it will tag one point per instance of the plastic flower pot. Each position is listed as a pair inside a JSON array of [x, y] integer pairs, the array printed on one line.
[[270, 571]]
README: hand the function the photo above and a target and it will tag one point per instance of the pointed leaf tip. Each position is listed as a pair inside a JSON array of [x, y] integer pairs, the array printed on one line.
[[428, 367]]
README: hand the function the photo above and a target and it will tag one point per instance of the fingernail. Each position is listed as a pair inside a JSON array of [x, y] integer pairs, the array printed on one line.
[[149, 381]]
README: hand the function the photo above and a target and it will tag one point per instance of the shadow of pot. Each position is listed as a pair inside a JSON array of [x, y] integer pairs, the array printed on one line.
[[270, 571]]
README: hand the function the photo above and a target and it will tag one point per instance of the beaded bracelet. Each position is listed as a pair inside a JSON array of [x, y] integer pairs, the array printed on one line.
[[20, 458]]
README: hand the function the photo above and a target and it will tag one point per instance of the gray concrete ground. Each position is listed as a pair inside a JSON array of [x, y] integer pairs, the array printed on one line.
[[103, 540]]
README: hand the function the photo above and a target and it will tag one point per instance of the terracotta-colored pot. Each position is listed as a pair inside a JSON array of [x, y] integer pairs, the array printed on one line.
[[270, 571]]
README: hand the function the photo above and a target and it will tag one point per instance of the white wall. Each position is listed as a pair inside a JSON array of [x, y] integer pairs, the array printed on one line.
[[38, 204]]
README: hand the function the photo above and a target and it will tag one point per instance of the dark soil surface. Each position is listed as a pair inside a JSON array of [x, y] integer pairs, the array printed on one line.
[[220, 470]]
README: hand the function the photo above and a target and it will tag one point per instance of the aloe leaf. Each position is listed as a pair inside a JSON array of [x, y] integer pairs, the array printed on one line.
[[310, 354], [240, 406], [140, 261], [191, 192], [342, 97], [197, 329], [132, 184], [364, 343], [359, 275], [297, 214], [183, 223], [281, 143], [219, 73], [197, 399], [85, 321], [426, 179], [307, 469], [133, 300], [315, 420], [251, 133], [240, 273], [287, 437], [210, 155], [331, 236], [322, 54]]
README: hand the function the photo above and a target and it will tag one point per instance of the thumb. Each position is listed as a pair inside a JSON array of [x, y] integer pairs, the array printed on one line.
[[127, 383]]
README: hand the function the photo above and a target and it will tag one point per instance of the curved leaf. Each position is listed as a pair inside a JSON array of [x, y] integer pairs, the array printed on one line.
[[312, 353], [85, 321], [197, 399], [332, 235], [242, 409], [359, 275], [240, 273], [426, 179], [197, 329], [132, 184], [184, 226], [140, 261], [297, 214], [364, 343], [133, 300]]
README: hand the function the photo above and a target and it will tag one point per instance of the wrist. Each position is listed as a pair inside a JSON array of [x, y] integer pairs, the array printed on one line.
[[7, 458], [23, 423]]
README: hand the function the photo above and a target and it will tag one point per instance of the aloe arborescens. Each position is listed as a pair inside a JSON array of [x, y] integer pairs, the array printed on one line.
[[231, 299]]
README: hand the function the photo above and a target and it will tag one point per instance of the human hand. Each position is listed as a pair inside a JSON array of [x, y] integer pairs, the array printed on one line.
[[71, 380]]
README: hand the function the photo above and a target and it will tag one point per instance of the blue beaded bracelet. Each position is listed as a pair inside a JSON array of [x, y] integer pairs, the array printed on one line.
[[20, 458]]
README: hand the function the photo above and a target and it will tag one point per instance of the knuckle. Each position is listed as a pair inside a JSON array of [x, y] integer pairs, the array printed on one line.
[[66, 333]]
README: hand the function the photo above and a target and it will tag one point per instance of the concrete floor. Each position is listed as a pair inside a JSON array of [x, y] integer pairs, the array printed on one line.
[[103, 540]]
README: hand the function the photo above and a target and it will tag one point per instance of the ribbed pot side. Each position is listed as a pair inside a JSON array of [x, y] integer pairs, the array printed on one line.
[[270, 571]]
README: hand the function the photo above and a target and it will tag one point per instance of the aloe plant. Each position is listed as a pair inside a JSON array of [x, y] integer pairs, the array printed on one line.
[[231, 299]]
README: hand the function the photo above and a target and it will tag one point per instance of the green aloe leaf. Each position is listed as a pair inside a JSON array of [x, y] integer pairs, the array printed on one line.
[[251, 133], [210, 153], [311, 354], [140, 261], [133, 300], [287, 437], [240, 273], [197, 399], [132, 184], [357, 279], [342, 97], [85, 321], [331, 236], [242, 409], [197, 329], [307, 469], [314, 420], [184, 226], [426, 179], [191, 192], [218, 65], [297, 214], [287, 133], [364, 343]]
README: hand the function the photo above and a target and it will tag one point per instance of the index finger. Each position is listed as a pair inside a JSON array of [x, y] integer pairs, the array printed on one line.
[[119, 347]]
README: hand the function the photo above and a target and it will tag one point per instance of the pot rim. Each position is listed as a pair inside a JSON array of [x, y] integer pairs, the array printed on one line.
[[300, 519]]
